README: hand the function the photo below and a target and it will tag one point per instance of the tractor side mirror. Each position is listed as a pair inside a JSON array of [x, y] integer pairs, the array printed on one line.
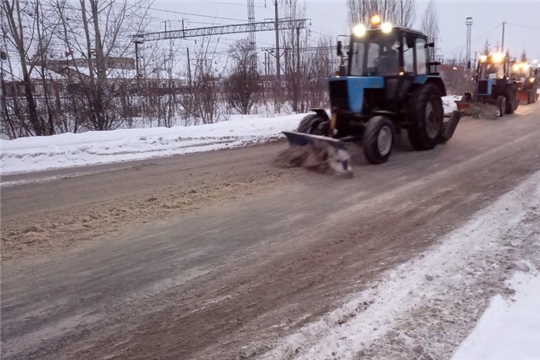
[[430, 45], [339, 48], [469, 65]]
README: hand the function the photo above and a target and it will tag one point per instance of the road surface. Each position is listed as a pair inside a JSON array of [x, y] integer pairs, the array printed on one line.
[[217, 255]]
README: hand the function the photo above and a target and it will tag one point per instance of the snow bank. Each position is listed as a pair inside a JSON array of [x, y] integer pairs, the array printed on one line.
[[99, 147], [449, 103], [508, 329], [428, 305]]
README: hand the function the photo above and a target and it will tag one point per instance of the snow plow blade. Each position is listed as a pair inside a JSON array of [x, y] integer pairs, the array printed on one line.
[[523, 96], [320, 153], [450, 126]]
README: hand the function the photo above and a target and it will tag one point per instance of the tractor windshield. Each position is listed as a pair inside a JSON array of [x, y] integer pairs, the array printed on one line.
[[491, 71], [376, 54]]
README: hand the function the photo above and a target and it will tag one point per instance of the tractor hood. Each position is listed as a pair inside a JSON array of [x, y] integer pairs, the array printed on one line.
[[348, 92]]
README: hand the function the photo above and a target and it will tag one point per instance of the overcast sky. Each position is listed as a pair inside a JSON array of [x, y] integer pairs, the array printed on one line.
[[330, 18]]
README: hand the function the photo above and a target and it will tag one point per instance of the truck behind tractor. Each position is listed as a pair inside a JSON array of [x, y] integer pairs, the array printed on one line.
[[493, 85], [386, 83]]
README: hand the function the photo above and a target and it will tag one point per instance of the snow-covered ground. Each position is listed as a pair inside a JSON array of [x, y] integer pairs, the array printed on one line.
[[509, 329], [425, 308], [100, 147], [449, 103]]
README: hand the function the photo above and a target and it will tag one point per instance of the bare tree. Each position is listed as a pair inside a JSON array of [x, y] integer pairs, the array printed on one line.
[[322, 63], [96, 31], [21, 26], [296, 62], [398, 12], [430, 26], [524, 56], [242, 86], [203, 103], [487, 48]]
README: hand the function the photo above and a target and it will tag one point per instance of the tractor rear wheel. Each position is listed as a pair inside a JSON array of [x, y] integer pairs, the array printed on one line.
[[378, 140], [313, 124], [511, 99], [425, 117]]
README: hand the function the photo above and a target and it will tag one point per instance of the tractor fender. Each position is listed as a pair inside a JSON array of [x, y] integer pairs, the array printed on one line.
[[386, 113], [322, 113], [439, 83]]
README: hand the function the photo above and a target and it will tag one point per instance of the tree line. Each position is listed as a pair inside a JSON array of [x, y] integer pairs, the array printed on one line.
[[73, 67]]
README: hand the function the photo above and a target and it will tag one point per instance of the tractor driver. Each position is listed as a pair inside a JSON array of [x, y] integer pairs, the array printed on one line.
[[389, 59]]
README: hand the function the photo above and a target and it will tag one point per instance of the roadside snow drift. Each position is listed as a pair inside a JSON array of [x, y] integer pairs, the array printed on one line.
[[100, 147], [424, 308], [509, 329], [449, 103]]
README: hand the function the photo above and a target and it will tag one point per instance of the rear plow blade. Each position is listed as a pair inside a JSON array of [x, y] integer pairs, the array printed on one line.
[[449, 127], [319, 153]]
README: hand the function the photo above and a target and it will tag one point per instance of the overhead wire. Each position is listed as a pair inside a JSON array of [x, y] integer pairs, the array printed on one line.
[[524, 26], [474, 40], [193, 14]]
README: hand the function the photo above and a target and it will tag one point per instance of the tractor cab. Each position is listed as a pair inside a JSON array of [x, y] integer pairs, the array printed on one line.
[[525, 77], [492, 75], [380, 68], [521, 71]]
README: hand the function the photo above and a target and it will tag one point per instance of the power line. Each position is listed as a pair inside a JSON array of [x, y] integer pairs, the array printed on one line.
[[475, 39], [524, 26], [192, 14], [231, 3]]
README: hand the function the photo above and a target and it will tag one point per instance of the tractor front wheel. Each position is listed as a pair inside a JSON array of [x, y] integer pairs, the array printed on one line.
[[378, 140], [314, 124], [425, 117]]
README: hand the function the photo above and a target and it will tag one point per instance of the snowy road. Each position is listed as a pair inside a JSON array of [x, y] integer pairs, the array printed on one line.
[[219, 255]]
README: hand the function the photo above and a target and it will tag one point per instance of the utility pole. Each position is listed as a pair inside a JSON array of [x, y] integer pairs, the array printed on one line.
[[183, 28], [165, 22], [469, 22], [137, 66], [298, 51], [502, 43], [189, 72], [278, 70]]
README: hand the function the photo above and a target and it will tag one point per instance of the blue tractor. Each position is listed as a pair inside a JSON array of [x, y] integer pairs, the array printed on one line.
[[494, 84], [386, 83], [526, 78]]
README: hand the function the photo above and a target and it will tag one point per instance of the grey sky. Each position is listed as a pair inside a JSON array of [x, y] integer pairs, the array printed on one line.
[[330, 18]]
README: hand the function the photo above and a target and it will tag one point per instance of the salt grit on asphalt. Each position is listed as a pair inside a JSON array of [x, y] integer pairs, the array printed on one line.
[[426, 308]]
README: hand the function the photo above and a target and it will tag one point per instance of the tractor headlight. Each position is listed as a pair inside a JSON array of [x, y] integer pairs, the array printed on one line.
[[515, 67], [483, 58], [375, 20], [531, 79], [359, 30], [386, 28], [498, 57]]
